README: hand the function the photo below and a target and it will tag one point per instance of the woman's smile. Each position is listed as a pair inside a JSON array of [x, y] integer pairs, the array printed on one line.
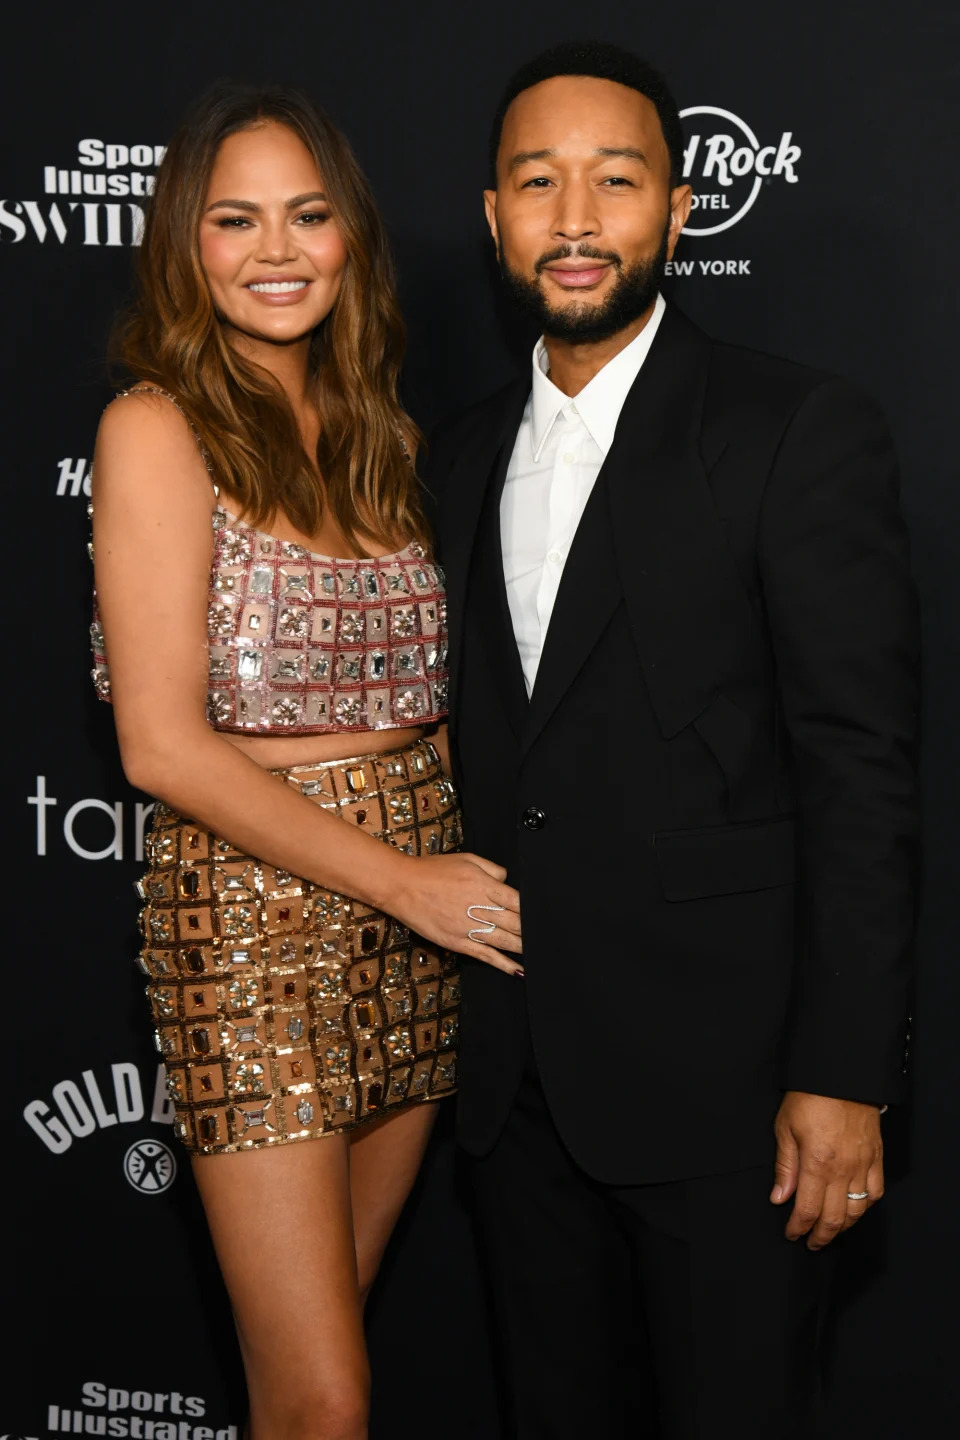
[[278, 292]]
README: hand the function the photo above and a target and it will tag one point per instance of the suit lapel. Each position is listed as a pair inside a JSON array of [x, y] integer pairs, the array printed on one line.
[[481, 464], [649, 534], [488, 583], [588, 594], [687, 606]]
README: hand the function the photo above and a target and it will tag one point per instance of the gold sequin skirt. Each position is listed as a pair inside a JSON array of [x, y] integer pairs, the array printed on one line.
[[284, 1011]]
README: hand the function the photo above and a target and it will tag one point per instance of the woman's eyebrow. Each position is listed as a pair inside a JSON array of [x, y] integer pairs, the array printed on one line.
[[252, 206]]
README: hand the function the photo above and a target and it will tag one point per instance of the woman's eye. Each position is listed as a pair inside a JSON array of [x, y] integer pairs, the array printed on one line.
[[233, 222], [312, 217]]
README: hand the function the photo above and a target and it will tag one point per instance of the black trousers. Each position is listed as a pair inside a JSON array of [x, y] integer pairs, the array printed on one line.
[[674, 1310]]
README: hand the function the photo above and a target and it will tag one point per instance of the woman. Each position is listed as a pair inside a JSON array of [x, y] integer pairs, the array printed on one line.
[[274, 686]]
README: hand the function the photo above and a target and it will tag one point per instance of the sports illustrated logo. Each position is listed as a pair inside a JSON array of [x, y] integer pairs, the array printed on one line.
[[150, 1167], [140, 1414], [108, 170], [100, 158], [727, 166], [79, 1108]]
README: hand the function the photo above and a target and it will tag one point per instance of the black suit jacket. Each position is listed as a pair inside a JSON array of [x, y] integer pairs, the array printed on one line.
[[709, 803]]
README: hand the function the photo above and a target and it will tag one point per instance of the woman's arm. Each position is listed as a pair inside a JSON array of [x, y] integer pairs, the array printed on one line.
[[153, 547]]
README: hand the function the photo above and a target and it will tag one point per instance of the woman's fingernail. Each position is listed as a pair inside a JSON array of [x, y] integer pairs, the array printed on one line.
[[520, 974]]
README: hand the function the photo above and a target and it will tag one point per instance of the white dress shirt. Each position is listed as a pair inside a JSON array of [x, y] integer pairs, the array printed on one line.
[[560, 446]]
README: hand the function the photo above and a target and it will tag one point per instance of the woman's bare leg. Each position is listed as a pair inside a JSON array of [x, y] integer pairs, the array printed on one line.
[[299, 1232], [384, 1159], [282, 1226]]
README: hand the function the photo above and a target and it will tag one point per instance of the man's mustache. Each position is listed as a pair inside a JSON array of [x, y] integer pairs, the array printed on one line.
[[577, 252]]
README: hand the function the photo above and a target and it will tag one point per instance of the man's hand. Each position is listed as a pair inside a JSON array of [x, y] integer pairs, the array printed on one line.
[[826, 1150]]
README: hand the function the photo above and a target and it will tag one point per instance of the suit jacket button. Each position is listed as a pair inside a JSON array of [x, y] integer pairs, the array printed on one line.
[[534, 818]]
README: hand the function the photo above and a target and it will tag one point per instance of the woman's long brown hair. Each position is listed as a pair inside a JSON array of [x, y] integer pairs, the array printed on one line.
[[171, 336]]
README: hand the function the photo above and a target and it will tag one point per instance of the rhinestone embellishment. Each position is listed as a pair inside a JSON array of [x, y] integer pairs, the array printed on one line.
[[292, 1010], [347, 711], [267, 600]]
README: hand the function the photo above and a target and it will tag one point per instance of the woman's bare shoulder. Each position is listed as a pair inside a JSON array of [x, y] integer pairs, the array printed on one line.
[[143, 410], [143, 433]]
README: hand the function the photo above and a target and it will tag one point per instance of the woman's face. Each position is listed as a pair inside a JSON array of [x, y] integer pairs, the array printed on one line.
[[272, 253]]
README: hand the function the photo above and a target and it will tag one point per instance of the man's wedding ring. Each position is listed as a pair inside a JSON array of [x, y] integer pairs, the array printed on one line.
[[858, 1194], [481, 927]]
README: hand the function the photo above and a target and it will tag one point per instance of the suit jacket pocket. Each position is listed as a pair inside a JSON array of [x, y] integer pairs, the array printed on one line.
[[725, 859]]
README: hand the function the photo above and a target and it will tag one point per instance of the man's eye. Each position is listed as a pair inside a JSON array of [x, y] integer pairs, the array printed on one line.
[[617, 180], [539, 182]]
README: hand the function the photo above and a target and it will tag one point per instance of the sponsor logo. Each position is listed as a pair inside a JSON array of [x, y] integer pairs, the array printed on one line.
[[123, 829], [727, 166], [102, 163], [76, 1109], [73, 479], [708, 267], [150, 1166], [120, 1411], [100, 169]]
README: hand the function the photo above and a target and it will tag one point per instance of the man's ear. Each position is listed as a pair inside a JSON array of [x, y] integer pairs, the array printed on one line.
[[681, 197], [490, 206]]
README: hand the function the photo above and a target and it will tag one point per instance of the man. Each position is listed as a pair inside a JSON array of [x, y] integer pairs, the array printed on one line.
[[684, 654]]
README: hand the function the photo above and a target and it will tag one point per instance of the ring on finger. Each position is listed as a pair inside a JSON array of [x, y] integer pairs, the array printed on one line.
[[481, 927], [858, 1194]]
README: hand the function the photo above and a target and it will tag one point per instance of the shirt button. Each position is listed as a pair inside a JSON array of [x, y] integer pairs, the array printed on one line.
[[533, 818], [574, 410], [554, 557], [568, 457]]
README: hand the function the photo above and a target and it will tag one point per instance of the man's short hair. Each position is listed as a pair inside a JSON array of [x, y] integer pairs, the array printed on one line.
[[600, 61]]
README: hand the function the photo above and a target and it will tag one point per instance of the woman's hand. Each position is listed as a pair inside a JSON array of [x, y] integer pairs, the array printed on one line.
[[437, 892]]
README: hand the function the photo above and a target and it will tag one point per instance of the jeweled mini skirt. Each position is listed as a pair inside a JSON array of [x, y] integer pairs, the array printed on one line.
[[284, 1011]]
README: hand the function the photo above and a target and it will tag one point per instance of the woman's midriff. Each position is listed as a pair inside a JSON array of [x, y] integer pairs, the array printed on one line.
[[277, 752]]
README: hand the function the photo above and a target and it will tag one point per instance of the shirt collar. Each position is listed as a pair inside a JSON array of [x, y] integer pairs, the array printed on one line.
[[599, 403]]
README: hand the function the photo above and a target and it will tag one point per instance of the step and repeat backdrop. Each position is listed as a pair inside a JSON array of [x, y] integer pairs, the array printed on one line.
[[821, 150]]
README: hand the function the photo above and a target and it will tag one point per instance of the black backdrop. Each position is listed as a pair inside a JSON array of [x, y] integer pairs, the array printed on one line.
[[841, 255]]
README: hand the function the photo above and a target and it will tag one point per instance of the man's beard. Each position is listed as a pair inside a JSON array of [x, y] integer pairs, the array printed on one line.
[[578, 322]]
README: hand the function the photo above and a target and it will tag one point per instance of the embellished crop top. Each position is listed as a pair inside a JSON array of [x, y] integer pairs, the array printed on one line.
[[304, 644]]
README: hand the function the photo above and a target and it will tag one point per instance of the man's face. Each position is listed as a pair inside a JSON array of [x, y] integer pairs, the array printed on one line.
[[583, 216]]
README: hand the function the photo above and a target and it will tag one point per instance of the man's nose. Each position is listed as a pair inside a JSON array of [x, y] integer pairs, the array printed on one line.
[[575, 216]]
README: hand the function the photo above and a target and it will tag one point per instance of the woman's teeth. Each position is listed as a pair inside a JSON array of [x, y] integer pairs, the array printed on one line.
[[278, 287]]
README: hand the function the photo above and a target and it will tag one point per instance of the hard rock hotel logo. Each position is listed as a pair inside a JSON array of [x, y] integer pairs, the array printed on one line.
[[727, 166], [93, 200]]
